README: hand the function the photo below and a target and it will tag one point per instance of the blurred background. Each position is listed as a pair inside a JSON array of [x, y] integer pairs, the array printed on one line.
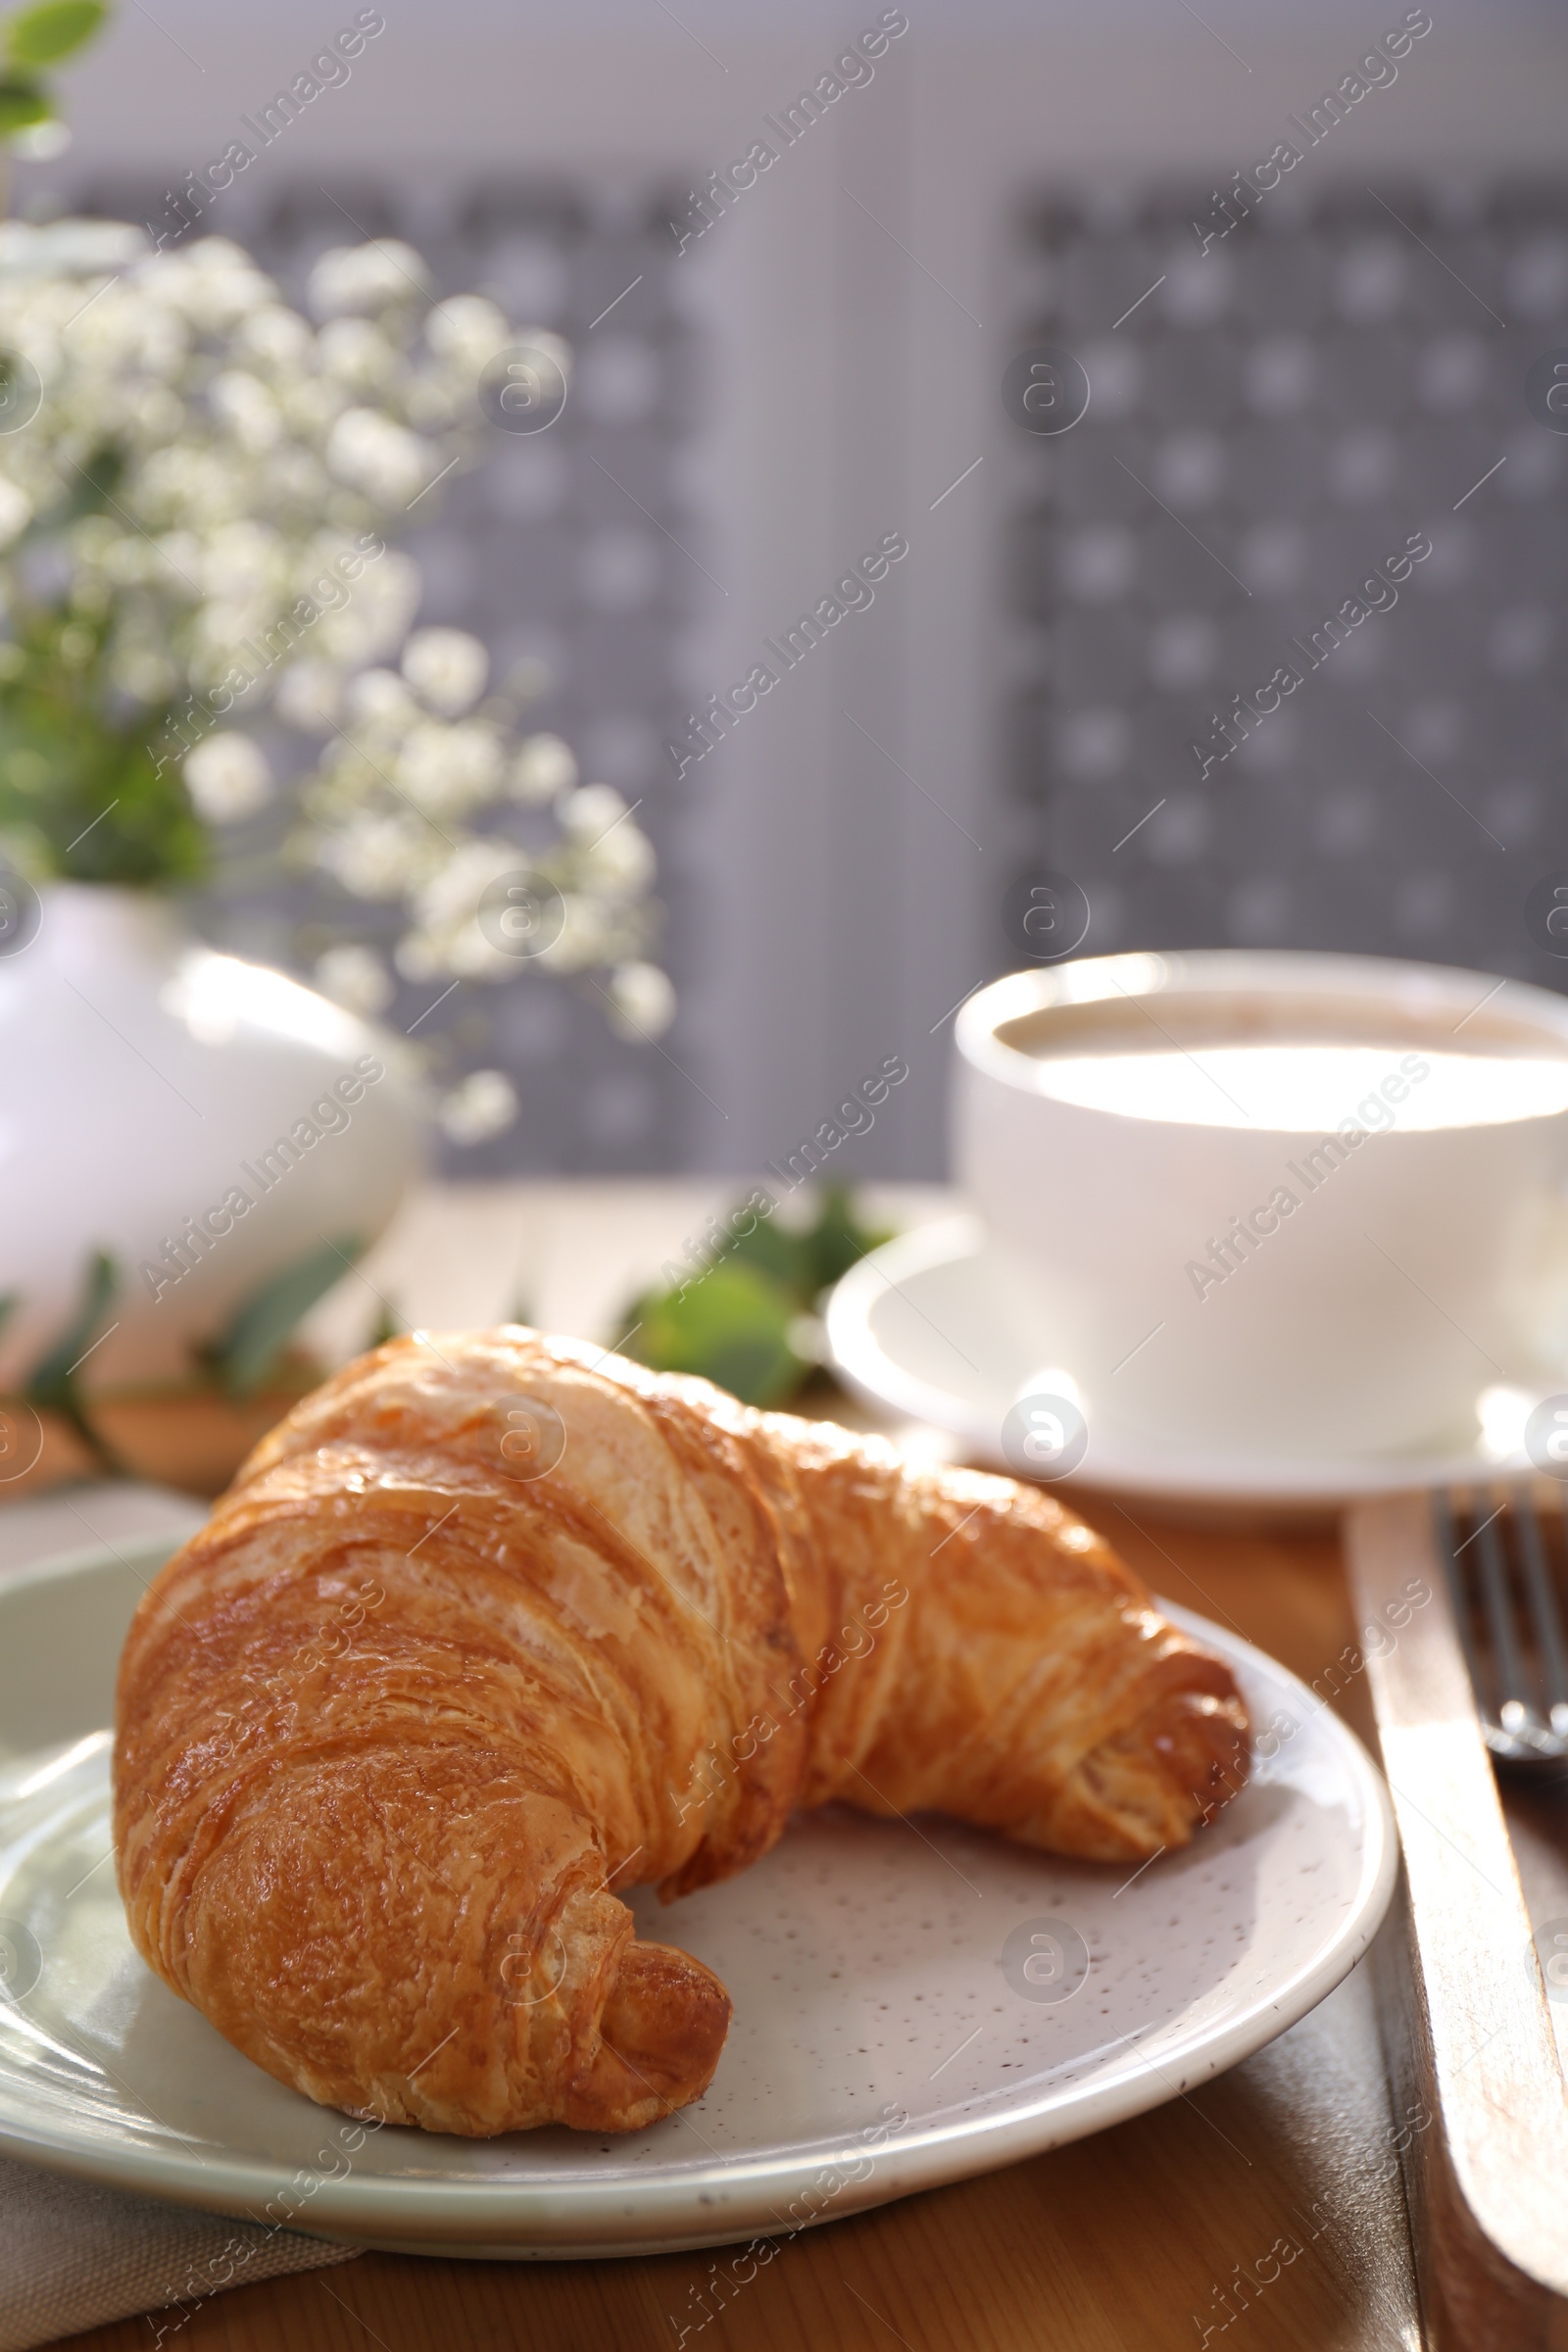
[[1284, 390]]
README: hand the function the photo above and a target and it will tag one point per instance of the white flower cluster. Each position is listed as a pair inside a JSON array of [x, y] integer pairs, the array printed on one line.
[[201, 454], [203, 470], [396, 811]]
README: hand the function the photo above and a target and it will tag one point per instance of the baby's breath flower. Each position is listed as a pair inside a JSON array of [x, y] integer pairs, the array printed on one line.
[[467, 330], [309, 697], [379, 697], [377, 456], [620, 865], [365, 278], [381, 854], [227, 778], [587, 814], [374, 621], [544, 767], [355, 977], [274, 337], [449, 769], [447, 669], [247, 409], [16, 512], [642, 1000], [484, 1106], [355, 353]]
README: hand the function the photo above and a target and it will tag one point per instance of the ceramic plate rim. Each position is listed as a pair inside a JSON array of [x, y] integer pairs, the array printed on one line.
[[459, 2217], [1118, 1462]]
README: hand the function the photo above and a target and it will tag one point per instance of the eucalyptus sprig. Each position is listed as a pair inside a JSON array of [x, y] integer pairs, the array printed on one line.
[[747, 1320], [32, 41]]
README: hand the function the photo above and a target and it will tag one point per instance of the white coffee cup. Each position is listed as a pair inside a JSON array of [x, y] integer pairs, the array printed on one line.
[[1417, 1266]]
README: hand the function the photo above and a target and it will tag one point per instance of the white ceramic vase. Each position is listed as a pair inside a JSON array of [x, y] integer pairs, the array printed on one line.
[[208, 1124]]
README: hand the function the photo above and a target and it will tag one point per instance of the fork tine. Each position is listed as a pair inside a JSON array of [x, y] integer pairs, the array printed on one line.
[[1492, 1632], [1545, 1615], [1513, 1711], [1448, 1550]]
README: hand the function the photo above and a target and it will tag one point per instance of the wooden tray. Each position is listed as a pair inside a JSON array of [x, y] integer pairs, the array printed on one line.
[[1472, 2038]]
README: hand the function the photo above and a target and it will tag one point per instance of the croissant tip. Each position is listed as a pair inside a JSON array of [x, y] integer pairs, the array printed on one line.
[[660, 2039]]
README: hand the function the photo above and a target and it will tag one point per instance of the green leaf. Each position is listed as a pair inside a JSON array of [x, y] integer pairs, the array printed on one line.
[[388, 1325], [43, 35], [22, 105], [89, 491], [732, 1324], [9, 1301], [150, 834], [104, 794], [732, 1327], [51, 1382], [809, 1259], [259, 1332], [838, 1239], [97, 786], [784, 1256]]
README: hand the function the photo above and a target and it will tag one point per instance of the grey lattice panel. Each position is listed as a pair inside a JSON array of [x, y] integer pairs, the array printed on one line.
[[555, 553], [1281, 412]]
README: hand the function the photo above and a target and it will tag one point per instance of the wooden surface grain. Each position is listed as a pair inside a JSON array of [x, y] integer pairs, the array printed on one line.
[[1473, 2038], [1265, 2208]]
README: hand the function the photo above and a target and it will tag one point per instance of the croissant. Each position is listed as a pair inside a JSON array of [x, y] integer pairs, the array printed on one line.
[[493, 1626]]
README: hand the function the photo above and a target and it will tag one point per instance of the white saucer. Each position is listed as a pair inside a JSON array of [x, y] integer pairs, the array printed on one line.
[[884, 2039], [929, 1327]]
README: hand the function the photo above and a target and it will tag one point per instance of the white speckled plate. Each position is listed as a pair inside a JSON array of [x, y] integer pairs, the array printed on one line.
[[913, 2002]]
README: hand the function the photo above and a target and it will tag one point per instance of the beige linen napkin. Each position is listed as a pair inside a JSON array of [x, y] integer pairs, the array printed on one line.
[[74, 2255]]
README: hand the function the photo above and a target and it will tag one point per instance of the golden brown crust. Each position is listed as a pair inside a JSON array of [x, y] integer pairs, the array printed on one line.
[[415, 1699]]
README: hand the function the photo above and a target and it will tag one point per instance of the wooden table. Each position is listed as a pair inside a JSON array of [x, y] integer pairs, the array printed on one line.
[[1124, 2242]]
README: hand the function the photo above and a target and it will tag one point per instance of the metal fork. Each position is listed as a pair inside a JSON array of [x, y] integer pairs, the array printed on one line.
[[1505, 1599]]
